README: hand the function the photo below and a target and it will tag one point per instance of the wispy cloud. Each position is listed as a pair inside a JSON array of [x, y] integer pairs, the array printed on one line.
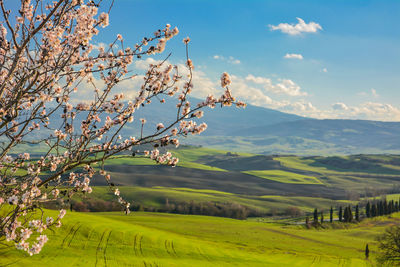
[[256, 90], [296, 29], [293, 56], [367, 110], [370, 93], [374, 93], [284, 86], [230, 59], [340, 106]]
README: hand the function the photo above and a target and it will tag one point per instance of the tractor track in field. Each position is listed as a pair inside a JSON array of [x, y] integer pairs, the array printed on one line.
[[65, 239], [70, 231], [88, 238], [73, 235], [166, 247], [105, 249], [169, 247], [134, 244], [140, 245], [316, 260], [173, 249], [202, 254], [310, 239], [99, 247]]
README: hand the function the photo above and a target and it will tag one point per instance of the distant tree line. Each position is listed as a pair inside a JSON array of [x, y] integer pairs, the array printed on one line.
[[381, 207], [229, 210]]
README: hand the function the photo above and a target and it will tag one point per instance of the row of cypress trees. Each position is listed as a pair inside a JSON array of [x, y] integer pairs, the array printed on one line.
[[377, 208], [345, 215], [380, 208]]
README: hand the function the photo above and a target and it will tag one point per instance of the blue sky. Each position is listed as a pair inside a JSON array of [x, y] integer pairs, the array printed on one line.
[[350, 66]]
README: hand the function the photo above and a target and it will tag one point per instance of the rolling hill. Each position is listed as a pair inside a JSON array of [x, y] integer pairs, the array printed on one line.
[[267, 131], [153, 239]]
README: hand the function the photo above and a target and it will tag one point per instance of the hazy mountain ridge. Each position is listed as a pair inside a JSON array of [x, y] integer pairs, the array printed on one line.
[[266, 131]]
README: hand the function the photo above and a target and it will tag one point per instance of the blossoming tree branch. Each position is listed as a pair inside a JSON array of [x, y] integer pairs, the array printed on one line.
[[46, 56]]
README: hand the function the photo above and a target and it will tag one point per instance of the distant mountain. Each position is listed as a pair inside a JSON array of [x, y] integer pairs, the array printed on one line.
[[266, 131], [356, 133], [220, 121]]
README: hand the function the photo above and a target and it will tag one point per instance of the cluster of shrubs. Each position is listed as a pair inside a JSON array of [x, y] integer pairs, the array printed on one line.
[[229, 210]]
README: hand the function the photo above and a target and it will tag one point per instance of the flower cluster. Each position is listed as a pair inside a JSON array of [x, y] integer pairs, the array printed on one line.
[[46, 58]]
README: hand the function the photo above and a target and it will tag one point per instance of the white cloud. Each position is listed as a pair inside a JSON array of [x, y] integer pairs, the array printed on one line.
[[339, 106], [253, 90], [294, 56], [285, 86], [230, 59], [144, 64], [296, 29], [368, 111], [374, 93], [250, 94], [325, 70], [371, 93]]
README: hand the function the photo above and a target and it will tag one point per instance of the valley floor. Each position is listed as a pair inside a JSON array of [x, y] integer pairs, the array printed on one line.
[[155, 239]]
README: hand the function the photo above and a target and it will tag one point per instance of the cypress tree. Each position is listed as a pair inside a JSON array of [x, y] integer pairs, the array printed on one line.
[[307, 221], [322, 216], [385, 208], [350, 214], [368, 210], [366, 251], [380, 208], [396, 206], [315, 216], [391, 207], [340, 214], [345, 215], [357, 214], [331, 215], [377, 209], [374, 210]]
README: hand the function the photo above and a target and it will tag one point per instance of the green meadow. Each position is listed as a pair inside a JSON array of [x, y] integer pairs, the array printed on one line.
[[155, 239], [157, 196], [263, 184], [284, 177], [267, 185]]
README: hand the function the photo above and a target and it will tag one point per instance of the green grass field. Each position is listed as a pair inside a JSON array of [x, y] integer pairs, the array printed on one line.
[[156, 197], [284, 177], [268, 184], [153, 239]]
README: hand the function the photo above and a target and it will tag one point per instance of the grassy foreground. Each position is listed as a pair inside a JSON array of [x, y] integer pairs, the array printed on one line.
[[153, 239]]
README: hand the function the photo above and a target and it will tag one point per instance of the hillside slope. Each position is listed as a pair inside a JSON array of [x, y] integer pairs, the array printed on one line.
[[151, 239]]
